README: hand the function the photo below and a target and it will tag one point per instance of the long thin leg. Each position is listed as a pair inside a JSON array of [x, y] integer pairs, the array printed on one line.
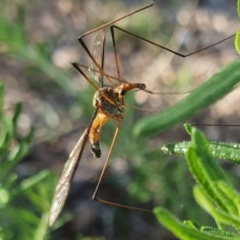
[[160, 46], [116, 20], [94, 197], [122, 80], [146, 40], [76, 65], [106, 162], [103, 59], [94, 60], [97, 71], [80, 38], [115, 51]]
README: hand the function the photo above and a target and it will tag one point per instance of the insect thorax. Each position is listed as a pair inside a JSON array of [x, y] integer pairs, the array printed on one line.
[[109, 102]]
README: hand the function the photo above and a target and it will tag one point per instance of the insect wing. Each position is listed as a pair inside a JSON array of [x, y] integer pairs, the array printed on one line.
[[97, 51], [64, 182]]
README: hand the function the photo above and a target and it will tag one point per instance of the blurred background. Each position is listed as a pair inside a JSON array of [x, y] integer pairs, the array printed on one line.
[[38, 40]]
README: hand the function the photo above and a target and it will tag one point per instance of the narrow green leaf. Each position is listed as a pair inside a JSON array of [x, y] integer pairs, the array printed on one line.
[[180, 230], [40, 233], [27, 216], [14, 156], [237, 42], [21, 17], [17, 112], [232, 194], [18, 29], [1, 102], [224, 150], [30, 182], [208, 163], [199, 176], [190, 224], [188, 128], [226, 199], [28, 138], [10, 181], [178, 148], [209, 92], [211, 171], [6, 134], [3, 129], [204, 201], [218, 232], [17, 153], [34, 180], [4, 197]]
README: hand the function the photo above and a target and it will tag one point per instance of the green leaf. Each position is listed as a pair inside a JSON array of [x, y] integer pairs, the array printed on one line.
[[204, 201], [28, 138], [224, 150], [30, 182], [1, 101], [209, 165], [180, 230], [199, 176], [33, 189], [208, 173], [237, 42], [17, 112], [218, 232], [190, 224], [188, 128], [6, 134], [16, 154], [209, 92], [232, 194], [4, 197], [10, 181], [212, 172], [42, 227]]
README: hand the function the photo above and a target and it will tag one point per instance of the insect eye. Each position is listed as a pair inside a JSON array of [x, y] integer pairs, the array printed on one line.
[[122, 92]]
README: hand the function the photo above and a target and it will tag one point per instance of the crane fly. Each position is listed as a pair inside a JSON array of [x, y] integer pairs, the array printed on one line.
[[108, 103]]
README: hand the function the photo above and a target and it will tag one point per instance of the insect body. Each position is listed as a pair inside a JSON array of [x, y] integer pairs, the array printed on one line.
[[107, 109], [109, 104]]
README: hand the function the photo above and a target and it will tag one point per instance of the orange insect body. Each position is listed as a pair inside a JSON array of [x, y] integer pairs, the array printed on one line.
[[110, 104]]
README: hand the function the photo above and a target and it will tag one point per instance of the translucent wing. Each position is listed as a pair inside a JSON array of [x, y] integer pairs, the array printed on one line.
[[65, 180], [71, 165], [97, 52]]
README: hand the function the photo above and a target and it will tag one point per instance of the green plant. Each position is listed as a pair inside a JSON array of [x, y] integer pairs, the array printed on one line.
[[209, 92], [213, 192], [14, 43], [41, 77], [24, 203], [237, 38]]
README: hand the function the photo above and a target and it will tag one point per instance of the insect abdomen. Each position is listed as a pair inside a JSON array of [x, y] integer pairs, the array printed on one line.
[[95, 149], [94, 134]]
